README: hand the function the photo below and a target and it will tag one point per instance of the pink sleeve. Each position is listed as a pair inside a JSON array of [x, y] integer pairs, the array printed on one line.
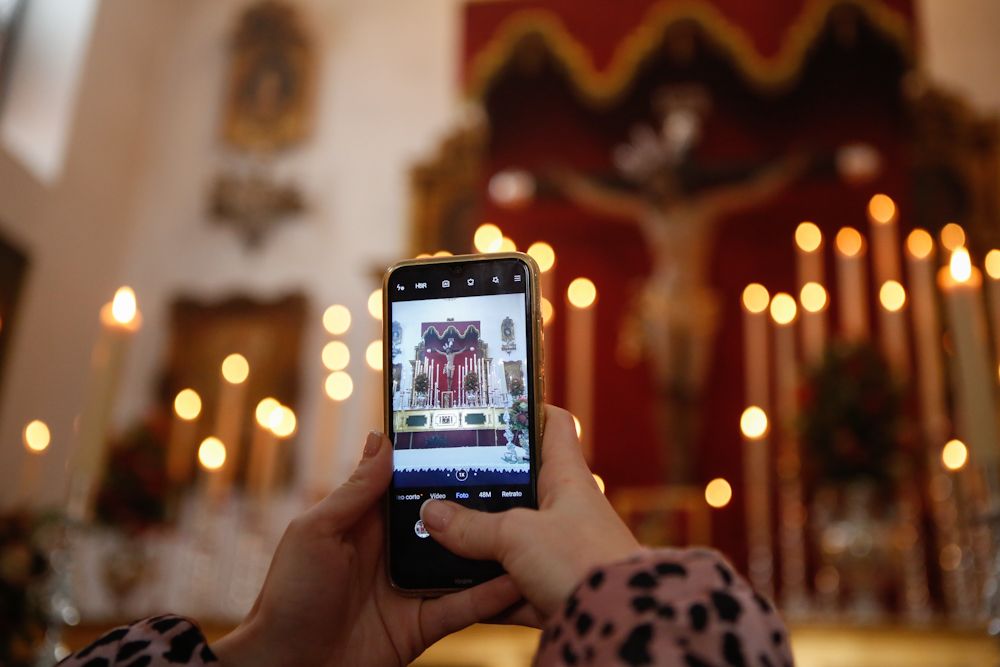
[[163, 640], [683, 607]]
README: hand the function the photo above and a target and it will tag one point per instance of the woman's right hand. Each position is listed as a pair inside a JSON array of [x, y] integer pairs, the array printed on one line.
[[546, 551]]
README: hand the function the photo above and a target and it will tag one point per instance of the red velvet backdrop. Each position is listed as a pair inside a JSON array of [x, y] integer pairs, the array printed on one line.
[[847, 88], [466, 335]]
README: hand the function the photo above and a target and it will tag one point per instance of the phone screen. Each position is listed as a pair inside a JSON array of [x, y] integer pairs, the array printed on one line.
[[461, 392]]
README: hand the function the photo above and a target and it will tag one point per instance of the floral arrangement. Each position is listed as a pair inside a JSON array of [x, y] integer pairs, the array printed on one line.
[[516, 386], [421, 383], [851, 416], [471, 382], [23, 569], [134, 492], [517, 417]]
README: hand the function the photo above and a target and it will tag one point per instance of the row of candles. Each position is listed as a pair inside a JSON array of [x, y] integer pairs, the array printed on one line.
[[973, 377]]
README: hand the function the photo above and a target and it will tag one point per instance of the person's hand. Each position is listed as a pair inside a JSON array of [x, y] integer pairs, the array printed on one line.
[[327, 598], [549, 550]]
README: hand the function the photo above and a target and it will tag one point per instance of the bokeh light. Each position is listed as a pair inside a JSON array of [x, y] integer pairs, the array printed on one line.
[[753, 422], [960, 265], [849, 241], [283, 421], [373, 355], [581, 293], [265, 408], [187, 404], [892, 296], [235, 368], [543, 254], [375, 304], [952, 236], [547, 311], [756, 298], [37, 436], [954, 455], [488, 238], [212, 453], [992, 262], [337, 319], [339, 386], [336, 355], [920, 243], [881, 208], [783, 309], [813, 297], [808, 237], [718, 493], [124, 306]]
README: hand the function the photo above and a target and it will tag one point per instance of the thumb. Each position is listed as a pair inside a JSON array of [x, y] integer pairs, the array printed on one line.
[[349, 502], [464, 532]]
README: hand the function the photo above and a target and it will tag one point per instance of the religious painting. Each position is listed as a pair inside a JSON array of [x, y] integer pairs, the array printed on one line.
[[271, 80], [267, 333]]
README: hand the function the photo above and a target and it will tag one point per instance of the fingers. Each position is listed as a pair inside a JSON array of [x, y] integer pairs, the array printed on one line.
[[462, 531], [442, 616], [560, 446], [348, 503]]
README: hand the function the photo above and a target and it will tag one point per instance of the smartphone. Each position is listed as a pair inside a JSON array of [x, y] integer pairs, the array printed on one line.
[[463, 388]]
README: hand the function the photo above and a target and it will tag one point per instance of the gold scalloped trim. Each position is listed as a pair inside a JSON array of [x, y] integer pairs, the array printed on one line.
[[603, 86]]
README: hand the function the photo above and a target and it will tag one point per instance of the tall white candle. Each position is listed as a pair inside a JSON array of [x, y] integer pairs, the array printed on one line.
[[927, 337], [753, 425], [808, 253], [120, 319], [852, 284], [892, 325], [992, 266], [975, 377], [882, 219], [183, 427], [212, 456], [267, 414], [230, 414], [813, 299], [329, 468], [36, 437], [580, 331], [545, 257], [792, 537]]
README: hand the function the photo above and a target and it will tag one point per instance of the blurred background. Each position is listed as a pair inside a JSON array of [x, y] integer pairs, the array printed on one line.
[[772, 296]]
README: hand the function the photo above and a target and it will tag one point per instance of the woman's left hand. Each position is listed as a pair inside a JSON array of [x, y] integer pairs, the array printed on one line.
[[327, 598]]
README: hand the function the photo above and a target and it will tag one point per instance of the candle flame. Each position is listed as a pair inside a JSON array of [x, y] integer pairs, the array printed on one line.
[[581, 293], [187, 404], [507, 245], [808, 237], [849, 241], [881, 208], [783, 309], [952, 236], [235, 368], [373, 355], [283, 422], [339, 386], [36, 436], [718, 493], [336, 355], [375, 304], [920, 243], [488, 238], [960, 265], [212, 453], [892, 296], [543, 254], [262, 413], [577, 426], [123, 306], [954, 455], [337, 319], [993, 264], [813, 297], [756, 298], [547, 312], [753, 422]]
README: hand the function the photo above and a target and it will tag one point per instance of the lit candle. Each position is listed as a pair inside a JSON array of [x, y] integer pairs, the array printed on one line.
[[180, 447], [892, 325], [120, 319], [851, 284], [992, 265], [282, 423], [487, 238], [756, 377], [329, 471], [212, 456], [975, 375], [808, 253], [580, 330], [882, 219], [229, 417], [266, 415], [927, 336], [792, 538], [757, 485], [36, 438], [545, 257], [814, 300]]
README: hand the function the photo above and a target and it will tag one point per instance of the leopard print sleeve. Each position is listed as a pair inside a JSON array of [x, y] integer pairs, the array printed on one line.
[[684, 607], [163, 640]]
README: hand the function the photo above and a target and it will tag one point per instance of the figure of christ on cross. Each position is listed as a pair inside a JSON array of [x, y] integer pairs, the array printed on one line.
[[673, 320], [449, 355]]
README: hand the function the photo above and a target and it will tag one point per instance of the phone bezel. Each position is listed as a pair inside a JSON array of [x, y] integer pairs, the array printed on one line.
[[537, 379]]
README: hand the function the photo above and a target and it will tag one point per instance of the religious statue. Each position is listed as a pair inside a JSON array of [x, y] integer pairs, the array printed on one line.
[[673, 320], [449, 355]]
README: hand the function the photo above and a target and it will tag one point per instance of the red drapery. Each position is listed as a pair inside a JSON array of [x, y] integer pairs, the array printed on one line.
[[442, 337]]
